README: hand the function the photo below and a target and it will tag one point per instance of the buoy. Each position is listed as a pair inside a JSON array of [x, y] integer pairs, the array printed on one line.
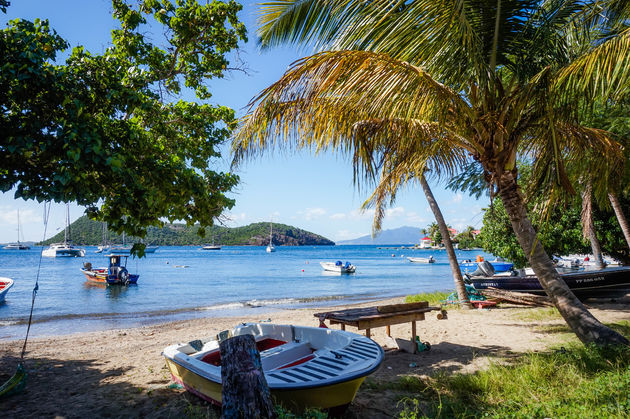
[[302, 270], [393, 255]]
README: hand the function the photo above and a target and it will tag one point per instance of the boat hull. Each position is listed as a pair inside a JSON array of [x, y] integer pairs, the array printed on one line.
[[421, 260], [610, 282], [332, 267], [323, 397], [304, 366], [5, 286]]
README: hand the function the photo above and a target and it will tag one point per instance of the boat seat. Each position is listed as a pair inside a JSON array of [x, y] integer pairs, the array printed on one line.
[[326, 367], [282, 355]]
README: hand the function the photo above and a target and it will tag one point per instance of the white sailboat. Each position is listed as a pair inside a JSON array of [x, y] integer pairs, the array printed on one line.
[[18, 245], [270, 247], [65, 249]]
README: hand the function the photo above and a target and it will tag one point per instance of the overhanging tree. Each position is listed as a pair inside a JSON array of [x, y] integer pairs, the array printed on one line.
[[492, 79], [110, 130]]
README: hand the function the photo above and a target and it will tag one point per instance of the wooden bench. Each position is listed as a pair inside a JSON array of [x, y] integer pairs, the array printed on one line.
[[369, 317]]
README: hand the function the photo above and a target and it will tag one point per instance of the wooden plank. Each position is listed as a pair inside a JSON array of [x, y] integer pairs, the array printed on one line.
[[413, 332], [393, 308], [371, 322]]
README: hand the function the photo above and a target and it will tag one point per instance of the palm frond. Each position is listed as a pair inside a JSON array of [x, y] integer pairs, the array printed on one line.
[[603, 71]]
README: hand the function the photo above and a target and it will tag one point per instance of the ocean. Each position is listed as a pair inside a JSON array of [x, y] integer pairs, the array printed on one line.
[[178, 283]]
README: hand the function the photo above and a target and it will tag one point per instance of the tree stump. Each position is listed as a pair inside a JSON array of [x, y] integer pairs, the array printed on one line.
[[245, 391]]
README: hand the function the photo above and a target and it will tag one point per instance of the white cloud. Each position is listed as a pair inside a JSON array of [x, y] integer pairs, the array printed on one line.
[[414, 217], [395, 212], [9, 216], [458, 197], [339, 216], [312, 213], [360, 214]]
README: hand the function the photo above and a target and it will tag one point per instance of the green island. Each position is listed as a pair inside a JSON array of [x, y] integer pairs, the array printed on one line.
[[88, 232]]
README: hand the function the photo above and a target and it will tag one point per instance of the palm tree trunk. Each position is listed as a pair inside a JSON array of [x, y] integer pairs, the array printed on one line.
[[587, 328], [448, 244], [623, 222], [588, 229]]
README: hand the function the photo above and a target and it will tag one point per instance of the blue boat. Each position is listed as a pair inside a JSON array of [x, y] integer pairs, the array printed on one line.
[[469, 266]]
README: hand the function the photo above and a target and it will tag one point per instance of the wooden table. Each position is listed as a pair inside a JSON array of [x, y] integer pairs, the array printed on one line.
[[367, 318]]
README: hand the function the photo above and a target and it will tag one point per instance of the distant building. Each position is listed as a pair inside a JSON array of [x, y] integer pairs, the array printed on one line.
[[452, 232], [475, 233], [425, 243]]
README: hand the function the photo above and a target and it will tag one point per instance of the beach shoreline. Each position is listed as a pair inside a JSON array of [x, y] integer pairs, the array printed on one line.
[[122, 373]]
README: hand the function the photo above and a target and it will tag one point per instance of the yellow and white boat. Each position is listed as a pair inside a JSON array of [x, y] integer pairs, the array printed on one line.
[[303, 366]]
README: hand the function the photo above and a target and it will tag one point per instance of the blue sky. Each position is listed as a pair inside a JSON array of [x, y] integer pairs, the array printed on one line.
[[310, 192]]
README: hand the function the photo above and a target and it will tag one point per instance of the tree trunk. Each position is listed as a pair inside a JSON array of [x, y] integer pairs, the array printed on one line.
[[623, 222], [588, 229], [446, 239], [587, 328], [245, 393]]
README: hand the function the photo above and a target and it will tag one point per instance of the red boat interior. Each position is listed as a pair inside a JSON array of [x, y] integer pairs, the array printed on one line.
[[214, 357], [3, 284]]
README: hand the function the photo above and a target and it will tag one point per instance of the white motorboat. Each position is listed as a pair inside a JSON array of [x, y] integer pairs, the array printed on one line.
[[422, 260], [5, 286], [339, 266], [303, 366], [63, 250], [211, 247]]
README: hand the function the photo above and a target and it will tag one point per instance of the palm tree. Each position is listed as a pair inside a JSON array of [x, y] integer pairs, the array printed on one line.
[[444, 77]]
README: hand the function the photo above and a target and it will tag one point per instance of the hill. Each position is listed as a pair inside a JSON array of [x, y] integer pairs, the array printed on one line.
[[401, 235], [87, 232]]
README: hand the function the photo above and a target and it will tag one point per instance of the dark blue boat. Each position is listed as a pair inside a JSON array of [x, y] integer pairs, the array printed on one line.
[[608, 282], [499, 266], [117, 273]]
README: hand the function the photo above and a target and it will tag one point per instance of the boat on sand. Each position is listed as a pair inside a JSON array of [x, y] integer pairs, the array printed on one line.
[[607, 282], [304, 366], [339, 267]]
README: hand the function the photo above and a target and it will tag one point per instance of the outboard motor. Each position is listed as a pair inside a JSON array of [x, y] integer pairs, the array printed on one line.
[[484, 268], [347, 265]]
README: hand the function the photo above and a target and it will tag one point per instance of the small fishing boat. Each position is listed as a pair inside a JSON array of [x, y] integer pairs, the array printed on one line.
[[5, 286], [115, 274], [211, 247], [608, 282], [304, 366], [339, 266], [468, 266], [421, 260]]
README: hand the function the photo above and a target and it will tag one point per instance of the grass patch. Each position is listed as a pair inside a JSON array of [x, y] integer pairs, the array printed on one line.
[[577, 382], [434, 298], [538, 314]]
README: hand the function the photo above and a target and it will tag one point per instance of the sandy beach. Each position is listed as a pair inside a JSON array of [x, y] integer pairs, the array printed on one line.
[[121, 373]]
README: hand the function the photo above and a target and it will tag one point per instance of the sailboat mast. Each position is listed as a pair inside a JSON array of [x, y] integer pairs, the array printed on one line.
[[66, 231], [18, 227]]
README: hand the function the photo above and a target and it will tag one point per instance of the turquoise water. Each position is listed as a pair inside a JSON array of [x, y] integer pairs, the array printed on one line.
[[186, 282]]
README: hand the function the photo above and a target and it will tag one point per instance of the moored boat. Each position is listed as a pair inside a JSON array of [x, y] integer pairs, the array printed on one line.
[[5, 286], [608, 282], [339, 267], [469, 266], [115, 274], [303, 366], [63, 250], [421, 260]]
